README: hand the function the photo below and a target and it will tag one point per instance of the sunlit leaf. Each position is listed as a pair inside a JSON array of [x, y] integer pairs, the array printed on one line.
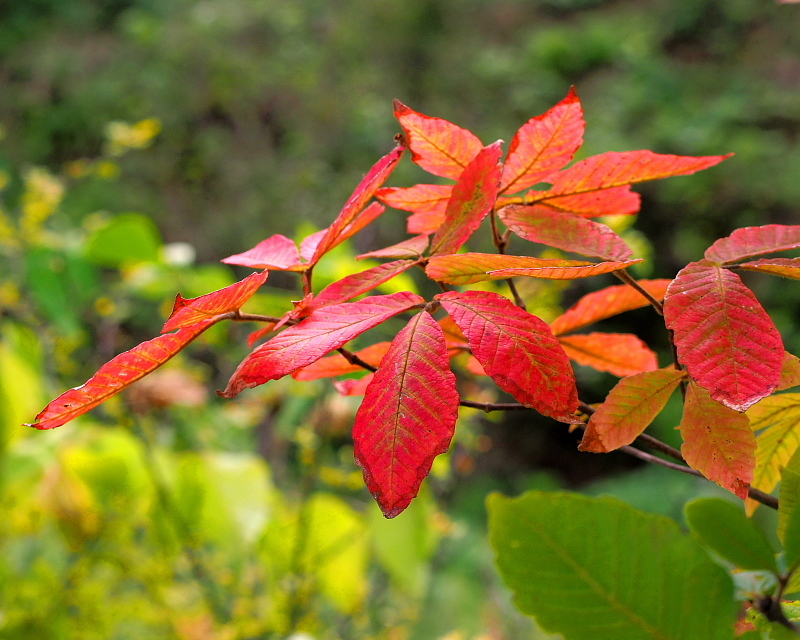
[[427, 201], [517, 350], [789, 509], [785, 267], [353, 387], [629, 409], [310, 243], [412, 249], [358, 283], [338, 365], [718, 441], [277, 252], [790, 373], [723, 336], [621, 354], [408, 415], [754, 241], [436, 145], [565, 273], [613, 201]]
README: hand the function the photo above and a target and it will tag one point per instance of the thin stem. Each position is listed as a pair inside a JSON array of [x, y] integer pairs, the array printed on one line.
[[649, 457], [627, 278], [238, 316], [353, 359], [501, 242], [494, 406], [307, 287]]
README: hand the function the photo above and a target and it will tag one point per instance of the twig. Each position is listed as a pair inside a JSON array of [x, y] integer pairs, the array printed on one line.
[[630, 280], [494, 406]]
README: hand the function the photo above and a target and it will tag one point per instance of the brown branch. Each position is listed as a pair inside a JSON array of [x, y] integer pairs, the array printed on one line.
[[494, 406], [627, 278], [353, 359]]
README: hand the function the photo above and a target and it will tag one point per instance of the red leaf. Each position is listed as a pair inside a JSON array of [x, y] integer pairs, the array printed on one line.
[[352, 386], [473, 197], [188, 312], [786, 267], [543, 145], [412, 248], [723, 336], [339, 231], [614, 201], [256, 335], [621, 354], [565, 231], [467, 268], [277, 252], [427, 201], [436, 145], [408, 415], [517, 350], [323, 331], [338, 365], [607, 302], [354, 285], [629, 409], [310, 243], [754, 241], [115, 375], [718, 441]]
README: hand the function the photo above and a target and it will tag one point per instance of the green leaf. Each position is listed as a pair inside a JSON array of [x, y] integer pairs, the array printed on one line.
[[724, 528], [789, 510], [596, 569], [127, 238]]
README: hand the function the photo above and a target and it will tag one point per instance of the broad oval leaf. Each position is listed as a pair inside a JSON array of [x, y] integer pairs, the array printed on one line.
[[621, 354], [565, 231], [606, 303], [629, 409], [614, 201], [596, 568], [754, 241], [789, 510], [785, 267], [472, 199], [543, 145], [338, 365], [358, 283], [517, 350], [277, 252], [231, 298], [408, 415], [436, 145], [323, 331], [723, 336], [412, 249], [115, 375], [718, 441]]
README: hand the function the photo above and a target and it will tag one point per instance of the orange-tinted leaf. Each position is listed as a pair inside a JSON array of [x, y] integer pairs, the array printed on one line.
[[338, 365], [412, 248], [786, 267], [426, 222], [607, 302], [565, 231], [436, 145], [453, 335], [353, 386], [718, 441], [115, 375], [565, 273], [622, 354], [256, 335], [629, 409], [347, 223], [724, 338], [188, 312], [613, 201], [543, 145], [517, 350], [472, 199], [754, 241], [323, 331], [277, 252], [408, 415], [422, 198], [790, 372], [354, 285]]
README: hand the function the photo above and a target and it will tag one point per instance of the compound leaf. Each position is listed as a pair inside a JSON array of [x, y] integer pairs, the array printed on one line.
[[754, 241]]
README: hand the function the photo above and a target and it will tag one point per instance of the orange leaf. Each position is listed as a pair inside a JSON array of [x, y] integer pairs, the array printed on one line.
[[338, 365], [613, 201], [790, 372], [412, 248], [786, 267], [621, 354]]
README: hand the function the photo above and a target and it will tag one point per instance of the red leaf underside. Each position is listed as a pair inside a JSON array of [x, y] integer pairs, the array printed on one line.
[[412, 249], [408, 415], [277, 252], [753, 241], [620, 354], [338, 365]]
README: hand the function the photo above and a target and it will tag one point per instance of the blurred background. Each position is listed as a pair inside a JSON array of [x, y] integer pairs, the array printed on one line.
[[143, 141]]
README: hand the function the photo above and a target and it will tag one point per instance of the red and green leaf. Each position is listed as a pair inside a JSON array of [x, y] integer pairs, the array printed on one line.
[[408, 415], [338, 365], [723, 336], [411, 249], [323, 331], [785, 267], [629, 409], [472, 199], [117, 374], [436, 145], [186, 313], [543, 145], [790, 372], [277, 252], [754, 241], [718, 441], [621, 354], [517, 350], [565, 231]]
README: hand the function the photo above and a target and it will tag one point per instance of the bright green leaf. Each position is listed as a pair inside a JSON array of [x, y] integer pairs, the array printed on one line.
[[126, 239], [789, 510]]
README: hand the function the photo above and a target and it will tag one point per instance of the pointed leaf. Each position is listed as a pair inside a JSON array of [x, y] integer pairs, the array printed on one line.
[[412, 249], [621, 354], [115, 375], [785, 267], [565, 231], [472, 199], [517, 350], [598, 569], [754, 241], [789, 509], [338, 365], [421, 198], [374, 179], [353, 387], [408, 415], [256, 335], [614, 201], [436, 145], [323, 331], [188, 312], [629, 409], [607, 302], [354, 285], [724, 528], [565, 273], [790, 372], [723, 336], [426, 222], [718, 441], [543, 145], [277, 252], [310, 243]]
